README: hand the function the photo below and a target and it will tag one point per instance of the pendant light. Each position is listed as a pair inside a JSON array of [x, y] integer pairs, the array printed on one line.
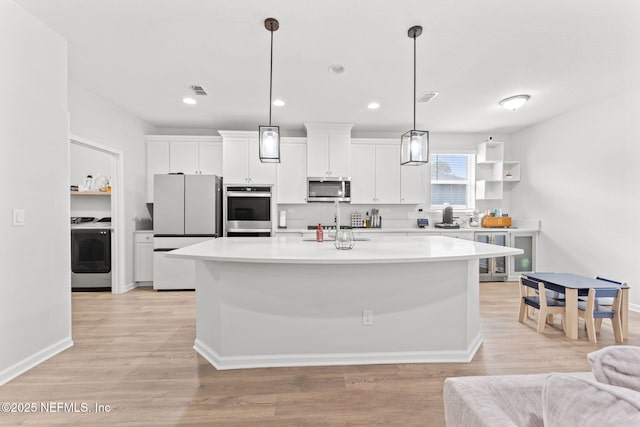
[[414, 144], [269, 149]]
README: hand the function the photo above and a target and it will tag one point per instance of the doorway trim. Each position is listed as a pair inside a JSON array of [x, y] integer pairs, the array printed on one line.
[[117, 209]]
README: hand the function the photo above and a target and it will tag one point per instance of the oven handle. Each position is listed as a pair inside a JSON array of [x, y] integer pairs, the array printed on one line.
[[247, 194], [249, 230]]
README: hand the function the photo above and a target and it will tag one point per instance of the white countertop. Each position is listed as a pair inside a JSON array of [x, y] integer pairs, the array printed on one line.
[[425, 230], [390, 250]]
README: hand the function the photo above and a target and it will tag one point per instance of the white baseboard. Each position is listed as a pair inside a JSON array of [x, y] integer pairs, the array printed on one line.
[[129, 286], [331, 359], [30, 362], [634, 307]]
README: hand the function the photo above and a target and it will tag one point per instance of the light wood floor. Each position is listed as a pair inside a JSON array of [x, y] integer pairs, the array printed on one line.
[[134, 353]]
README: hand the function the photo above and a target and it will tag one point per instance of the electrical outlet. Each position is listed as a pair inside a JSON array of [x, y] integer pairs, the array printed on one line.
[[18, 217], [367, 317]]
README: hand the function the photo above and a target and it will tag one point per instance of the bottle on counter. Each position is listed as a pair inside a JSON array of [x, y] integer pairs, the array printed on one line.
[[319, 234], [367, 221]]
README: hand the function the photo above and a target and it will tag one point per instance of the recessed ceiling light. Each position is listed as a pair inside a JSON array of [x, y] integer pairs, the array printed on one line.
[[514, 102], [278, 103], [373, 106], [336, 69], [189, 101]]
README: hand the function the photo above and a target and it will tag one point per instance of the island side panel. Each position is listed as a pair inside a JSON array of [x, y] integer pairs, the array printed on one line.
[[261, 314]]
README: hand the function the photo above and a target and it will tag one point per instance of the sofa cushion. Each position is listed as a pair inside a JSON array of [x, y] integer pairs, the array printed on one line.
[[485, 401], [617, 365], [569, 400]]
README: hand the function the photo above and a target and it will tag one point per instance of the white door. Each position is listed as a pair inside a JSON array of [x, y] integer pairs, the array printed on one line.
[[387, 174], [210, 158], [363, 174], [157, 163], [259, 173], [183, 157], [339, 154], [292, 173], [235, 152], [317, 154]]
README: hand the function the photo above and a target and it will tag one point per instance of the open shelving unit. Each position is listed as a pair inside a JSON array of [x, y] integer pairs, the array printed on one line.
[[492, 171]]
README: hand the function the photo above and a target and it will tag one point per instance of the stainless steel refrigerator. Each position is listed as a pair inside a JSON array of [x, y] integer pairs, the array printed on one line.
[[187, 210]]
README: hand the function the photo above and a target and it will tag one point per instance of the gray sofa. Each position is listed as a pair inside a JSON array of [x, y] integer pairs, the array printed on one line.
[[607, 396]]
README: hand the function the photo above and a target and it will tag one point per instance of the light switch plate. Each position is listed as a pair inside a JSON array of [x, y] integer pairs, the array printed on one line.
[[18, 217]]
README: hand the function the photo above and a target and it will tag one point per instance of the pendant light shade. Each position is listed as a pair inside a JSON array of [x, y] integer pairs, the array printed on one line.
[[414, 144], [269, 136]]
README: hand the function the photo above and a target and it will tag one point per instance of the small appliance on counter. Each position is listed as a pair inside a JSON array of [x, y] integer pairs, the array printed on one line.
[[423, 222], [496, 221], [282, 219], [447, 219]]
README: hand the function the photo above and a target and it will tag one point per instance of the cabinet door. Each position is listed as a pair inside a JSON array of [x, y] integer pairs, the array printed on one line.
[[183, 157], [413, 184], [317, 154], [500, 263], [291, 180], [339, 154], [387, 174], [235, 152], [157, 163], [363, 174], [210, 158], [525, 263], [144, 262], [259, 173]]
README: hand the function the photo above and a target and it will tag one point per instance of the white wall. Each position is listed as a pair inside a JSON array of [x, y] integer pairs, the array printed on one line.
[[581, 177], [35, 277], [96, 119]]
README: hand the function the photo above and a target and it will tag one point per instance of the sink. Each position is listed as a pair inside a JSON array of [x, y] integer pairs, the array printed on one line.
[[331, 239]]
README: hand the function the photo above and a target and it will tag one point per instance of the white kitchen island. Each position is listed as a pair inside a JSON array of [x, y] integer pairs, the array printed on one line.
[[265, 302]]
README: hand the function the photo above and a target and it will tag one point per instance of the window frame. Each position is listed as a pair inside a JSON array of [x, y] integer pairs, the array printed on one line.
[[470, 181]]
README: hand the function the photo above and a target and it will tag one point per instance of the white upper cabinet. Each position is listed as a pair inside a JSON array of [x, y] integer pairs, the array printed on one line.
[[328, 149], [414, 184], [240, 160], [291, 183], [179, 153], [375, 172], [157, 163]]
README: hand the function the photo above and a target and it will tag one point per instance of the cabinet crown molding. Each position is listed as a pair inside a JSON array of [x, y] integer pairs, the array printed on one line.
[[328, 127], [183, 138], [238, 133]]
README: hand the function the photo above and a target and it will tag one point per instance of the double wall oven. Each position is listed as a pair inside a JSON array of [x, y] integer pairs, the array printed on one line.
[[247, 211]]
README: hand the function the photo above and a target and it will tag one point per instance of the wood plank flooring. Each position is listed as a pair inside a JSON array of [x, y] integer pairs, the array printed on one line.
[[134, 352]]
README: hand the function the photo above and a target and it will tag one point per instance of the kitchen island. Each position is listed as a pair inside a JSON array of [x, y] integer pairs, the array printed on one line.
[[266, 302]]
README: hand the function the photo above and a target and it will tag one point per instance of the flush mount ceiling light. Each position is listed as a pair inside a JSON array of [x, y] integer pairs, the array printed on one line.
[[336, 69], [269, 149], [278, 103], [373, 106], [514, 102], [189, 101], [414, 144]]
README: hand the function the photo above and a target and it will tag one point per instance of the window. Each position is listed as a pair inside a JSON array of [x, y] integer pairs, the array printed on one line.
[[453, 180]]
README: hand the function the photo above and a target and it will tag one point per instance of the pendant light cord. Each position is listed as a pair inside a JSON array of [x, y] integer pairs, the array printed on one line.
[[271, 74], [414, 81]]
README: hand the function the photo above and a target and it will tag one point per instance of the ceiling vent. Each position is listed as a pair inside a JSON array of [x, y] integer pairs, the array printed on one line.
[[198, 90], [427, 96]]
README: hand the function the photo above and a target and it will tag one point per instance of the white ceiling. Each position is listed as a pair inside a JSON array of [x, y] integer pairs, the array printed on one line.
[[143, 54]]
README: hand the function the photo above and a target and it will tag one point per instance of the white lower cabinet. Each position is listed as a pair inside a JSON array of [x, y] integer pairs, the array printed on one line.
[[143, 271], [172, 273]]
